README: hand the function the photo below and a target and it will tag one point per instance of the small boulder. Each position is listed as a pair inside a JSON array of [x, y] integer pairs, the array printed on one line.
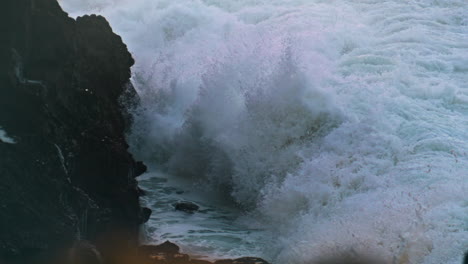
[[187, 207], [166, 248]]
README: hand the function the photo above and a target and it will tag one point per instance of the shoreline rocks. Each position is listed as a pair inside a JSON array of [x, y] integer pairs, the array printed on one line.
[[68, 192], [169, 253], [69, 175]]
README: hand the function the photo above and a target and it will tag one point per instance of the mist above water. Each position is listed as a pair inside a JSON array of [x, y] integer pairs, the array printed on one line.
[[337, 125]]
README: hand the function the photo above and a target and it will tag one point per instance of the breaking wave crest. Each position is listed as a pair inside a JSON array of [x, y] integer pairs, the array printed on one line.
[[340, 126]]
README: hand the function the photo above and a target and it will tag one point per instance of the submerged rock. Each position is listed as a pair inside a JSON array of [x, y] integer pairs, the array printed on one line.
[[187, 207]]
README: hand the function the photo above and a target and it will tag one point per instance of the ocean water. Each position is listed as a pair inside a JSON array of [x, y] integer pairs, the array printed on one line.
[[215, 231], [303, 128], [4, 138]]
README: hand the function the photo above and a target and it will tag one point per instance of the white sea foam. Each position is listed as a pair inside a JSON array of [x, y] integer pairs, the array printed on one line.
[[5, 138], [341, 125]]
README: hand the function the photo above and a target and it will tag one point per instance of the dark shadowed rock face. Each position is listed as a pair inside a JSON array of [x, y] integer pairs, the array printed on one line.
[[68, 175]]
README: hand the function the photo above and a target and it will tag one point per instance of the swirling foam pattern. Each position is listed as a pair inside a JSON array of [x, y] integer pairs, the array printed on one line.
[[339, 125]]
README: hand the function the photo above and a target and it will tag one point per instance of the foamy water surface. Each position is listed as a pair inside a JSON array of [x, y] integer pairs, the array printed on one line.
[[331, 125]]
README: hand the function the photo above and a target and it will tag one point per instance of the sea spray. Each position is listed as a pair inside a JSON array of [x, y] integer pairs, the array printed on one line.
[[339, 125], [4, 138]]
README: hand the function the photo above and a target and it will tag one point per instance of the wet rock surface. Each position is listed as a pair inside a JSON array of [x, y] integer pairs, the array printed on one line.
[[186, 206], [169, 253], [68, 175]]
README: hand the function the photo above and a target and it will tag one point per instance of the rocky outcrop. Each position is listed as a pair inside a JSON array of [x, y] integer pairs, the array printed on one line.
[[65, 172], [169, 253]]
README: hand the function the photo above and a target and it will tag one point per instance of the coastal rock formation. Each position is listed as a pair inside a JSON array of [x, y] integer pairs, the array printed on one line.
[[169, 253], [68, 192], [65, 172]]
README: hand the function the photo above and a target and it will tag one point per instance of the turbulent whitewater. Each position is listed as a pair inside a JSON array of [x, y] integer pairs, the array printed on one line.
[[334, 125]]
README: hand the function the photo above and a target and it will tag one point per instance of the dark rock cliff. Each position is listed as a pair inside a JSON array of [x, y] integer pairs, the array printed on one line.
[[65, 173]]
